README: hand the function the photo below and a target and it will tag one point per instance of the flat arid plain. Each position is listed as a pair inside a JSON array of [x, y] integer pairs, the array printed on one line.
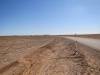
[[50, 55]]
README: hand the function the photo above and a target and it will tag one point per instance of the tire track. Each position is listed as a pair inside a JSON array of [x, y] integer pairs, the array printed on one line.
[[57, 57], [17, 62], [8, 66], [51, 59]]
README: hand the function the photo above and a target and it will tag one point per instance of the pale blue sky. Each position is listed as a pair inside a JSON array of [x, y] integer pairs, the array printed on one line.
[[49, 17]]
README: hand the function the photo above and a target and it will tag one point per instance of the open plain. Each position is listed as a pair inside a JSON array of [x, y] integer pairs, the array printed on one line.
[[94, 36], [47, 55]]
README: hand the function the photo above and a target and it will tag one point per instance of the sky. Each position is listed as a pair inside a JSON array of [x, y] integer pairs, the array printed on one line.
[[40, 17]]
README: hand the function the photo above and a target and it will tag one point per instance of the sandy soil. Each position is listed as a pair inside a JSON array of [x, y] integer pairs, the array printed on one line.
[[47, 55]]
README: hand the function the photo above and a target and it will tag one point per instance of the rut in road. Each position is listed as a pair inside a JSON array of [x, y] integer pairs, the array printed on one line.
[[60, 57]]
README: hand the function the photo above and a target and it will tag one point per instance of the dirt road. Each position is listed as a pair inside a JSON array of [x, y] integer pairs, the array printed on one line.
[[94, 43], [47, 56]]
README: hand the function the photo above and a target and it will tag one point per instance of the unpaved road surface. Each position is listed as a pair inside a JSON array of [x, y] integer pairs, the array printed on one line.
[[94, 43], [47, 55]]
